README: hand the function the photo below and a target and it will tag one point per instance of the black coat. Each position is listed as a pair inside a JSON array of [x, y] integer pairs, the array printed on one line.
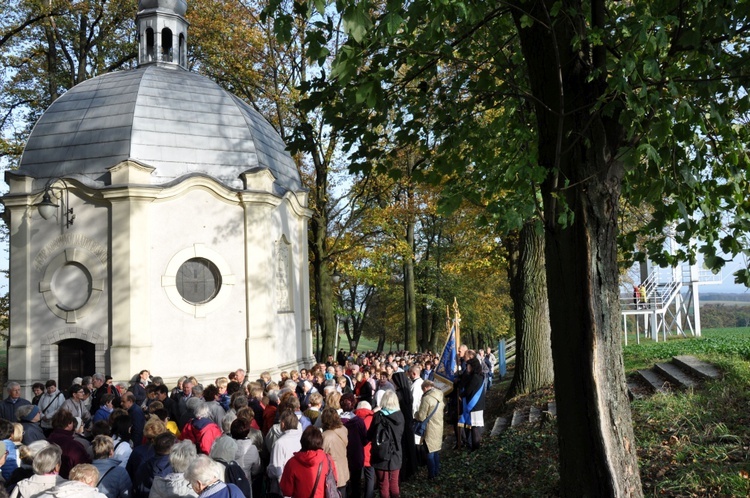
[[396, 420], [405, 401], [474, 383], [355, 448]]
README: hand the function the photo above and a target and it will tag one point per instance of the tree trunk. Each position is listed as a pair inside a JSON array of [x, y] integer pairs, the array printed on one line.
[[425, 325], [324, 305], [528, 288], [410, 305], [579, 148], [318, 242], [52, 69]]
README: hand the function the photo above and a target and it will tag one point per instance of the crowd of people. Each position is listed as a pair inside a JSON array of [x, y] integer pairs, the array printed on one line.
[[347, 426]]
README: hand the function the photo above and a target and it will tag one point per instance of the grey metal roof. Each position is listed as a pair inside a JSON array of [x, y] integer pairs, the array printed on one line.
[[178, 122]]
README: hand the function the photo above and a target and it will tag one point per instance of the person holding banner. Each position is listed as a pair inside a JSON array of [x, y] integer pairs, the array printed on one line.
[[472, 404]]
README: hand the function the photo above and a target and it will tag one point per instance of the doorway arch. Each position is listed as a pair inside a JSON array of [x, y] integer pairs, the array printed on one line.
[[79, 348], [75, 358]]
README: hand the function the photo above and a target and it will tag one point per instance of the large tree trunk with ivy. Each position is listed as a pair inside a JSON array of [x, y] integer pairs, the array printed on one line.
[[528, 288], [578, 146]]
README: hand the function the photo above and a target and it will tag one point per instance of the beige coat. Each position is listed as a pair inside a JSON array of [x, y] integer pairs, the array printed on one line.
[[334, 443], [433, 436], [36, 485]]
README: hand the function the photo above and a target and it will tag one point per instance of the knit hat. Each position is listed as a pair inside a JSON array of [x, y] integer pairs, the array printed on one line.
[[33, 413]]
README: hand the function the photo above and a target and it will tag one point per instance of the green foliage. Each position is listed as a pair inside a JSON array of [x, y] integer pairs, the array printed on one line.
[[681, 77], [723, 315], [694, 443], [713, 343], [689, 443], [521, 462]]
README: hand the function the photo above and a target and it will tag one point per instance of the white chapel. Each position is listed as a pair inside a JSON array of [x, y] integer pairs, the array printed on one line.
[[156, 222]]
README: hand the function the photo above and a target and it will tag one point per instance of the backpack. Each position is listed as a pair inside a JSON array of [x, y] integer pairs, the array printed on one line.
[[234, 474], [384, 444]]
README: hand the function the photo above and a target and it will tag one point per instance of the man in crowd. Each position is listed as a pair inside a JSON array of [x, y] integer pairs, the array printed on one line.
[[137, 417], [13, 402], [416, 387]]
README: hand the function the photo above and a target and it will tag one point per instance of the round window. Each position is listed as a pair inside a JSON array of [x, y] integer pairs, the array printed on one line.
[[198, 281]]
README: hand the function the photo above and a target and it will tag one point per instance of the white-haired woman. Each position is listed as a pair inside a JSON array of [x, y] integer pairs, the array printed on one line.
[[385, 432], [82, 484], [46, 465], [205, 477], [175, 484]]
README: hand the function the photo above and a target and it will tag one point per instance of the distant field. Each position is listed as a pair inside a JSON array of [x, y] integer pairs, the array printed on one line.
[[705, 302]]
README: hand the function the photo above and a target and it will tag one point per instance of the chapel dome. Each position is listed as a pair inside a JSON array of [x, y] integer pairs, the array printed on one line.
[[178, 122], [179, 7]]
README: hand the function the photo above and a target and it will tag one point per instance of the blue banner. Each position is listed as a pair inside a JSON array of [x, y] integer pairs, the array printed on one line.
[[448, 366]]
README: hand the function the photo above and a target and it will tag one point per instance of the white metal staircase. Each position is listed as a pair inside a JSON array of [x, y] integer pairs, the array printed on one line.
[[666, 309]]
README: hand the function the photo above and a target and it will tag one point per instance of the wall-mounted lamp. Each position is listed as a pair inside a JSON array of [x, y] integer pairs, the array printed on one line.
[[47, 208]]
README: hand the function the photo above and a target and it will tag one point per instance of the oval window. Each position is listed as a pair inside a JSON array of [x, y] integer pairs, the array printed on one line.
[[198, 281]]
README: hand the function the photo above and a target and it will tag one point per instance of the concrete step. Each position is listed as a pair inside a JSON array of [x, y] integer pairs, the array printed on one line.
[[676, 375], [535, 415], [519, 417], [697, 367], [501, 423], [654, 380], [552, 408]]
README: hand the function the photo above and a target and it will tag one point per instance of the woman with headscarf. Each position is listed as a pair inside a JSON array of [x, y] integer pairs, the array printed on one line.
[[403, 384]]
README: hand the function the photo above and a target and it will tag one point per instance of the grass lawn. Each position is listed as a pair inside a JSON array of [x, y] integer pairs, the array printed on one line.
[[690, 444]]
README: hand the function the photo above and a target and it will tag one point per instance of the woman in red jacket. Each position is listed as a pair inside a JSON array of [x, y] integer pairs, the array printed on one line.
[[301, 471]]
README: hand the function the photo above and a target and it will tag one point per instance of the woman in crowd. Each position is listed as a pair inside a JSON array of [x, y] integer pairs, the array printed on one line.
[[335, 441], [121, 438], [26, 456], [82, 484], [175, 485], [46, 476], [75, 404], [51, 401], [73, 452], [113, 481], [305, 473], [247, 456], [364, 411], [355, 453], [205, 478], [388, 467]]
